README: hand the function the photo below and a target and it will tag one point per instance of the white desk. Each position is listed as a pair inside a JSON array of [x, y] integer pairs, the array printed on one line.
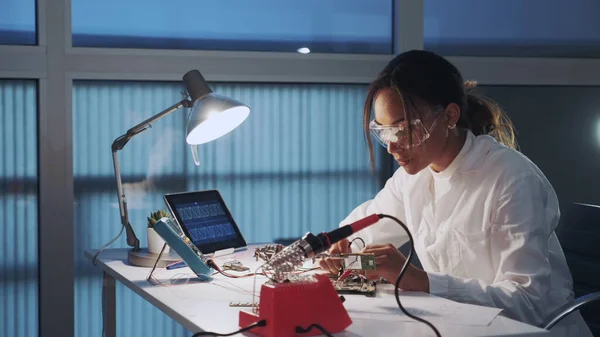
[[205, 306]]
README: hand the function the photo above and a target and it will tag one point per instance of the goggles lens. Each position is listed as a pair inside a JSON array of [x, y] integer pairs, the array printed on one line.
[[399, 135]]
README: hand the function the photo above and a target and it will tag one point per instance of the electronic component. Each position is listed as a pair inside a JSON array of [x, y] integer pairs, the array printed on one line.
[[170, 231], [352, 283], [285, 262], [235, 266], [349, 283], [368, 288], [206, 220], [356, 261], [266, 252], [242, 304], [294, 255]]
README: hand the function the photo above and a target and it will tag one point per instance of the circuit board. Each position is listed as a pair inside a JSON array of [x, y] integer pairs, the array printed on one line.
[[355, 284], [358, 261], [367, 288], [349, 281]]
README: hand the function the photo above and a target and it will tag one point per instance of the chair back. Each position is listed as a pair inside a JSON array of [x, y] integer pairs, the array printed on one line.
[[579, 236]]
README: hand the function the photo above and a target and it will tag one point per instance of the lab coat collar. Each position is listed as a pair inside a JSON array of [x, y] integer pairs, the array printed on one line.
[[471, 157], [457, 164], [475, 156]]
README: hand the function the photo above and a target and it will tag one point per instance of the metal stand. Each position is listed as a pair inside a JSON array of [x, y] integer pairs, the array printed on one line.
[[142, 258], [109, 306], [156, 263]]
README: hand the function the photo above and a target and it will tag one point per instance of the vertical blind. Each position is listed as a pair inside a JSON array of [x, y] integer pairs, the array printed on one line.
[[18, 209], [297, 164]]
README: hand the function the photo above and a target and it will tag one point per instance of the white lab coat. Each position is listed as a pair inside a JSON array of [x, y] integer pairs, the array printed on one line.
[[483, 230]]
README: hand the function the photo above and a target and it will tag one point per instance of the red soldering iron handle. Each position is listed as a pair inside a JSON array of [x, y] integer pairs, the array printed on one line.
[[364, 223]]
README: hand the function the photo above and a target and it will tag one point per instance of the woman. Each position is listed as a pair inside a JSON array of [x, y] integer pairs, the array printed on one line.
[[482, 215]]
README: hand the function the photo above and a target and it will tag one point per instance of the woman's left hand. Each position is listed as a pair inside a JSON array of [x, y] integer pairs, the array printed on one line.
[[389, 261]]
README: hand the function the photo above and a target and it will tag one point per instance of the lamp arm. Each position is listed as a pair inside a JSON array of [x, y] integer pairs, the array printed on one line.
[[117, 145], [119, 142], [132, 239]]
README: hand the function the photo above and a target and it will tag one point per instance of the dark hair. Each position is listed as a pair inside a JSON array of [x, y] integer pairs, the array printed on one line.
[[424, 75]]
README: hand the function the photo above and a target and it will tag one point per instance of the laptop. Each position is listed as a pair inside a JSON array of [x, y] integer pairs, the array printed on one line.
[[206, 221]]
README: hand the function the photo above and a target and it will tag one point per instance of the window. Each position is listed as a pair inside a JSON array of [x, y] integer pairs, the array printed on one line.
[[334, 26], [19, 209], [17, 22], [513, 28], [297, 164]]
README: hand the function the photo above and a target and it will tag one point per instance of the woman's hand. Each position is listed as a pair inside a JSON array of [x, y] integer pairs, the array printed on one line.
[[331, 265], [389, 261]]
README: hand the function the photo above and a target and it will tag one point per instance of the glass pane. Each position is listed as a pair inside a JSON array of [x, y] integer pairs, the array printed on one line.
[[334, 26], [19, 209], [17, 22], [297, 164], [513, 27]]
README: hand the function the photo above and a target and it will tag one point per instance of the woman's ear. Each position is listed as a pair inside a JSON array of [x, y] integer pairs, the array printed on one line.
[[452, 115]]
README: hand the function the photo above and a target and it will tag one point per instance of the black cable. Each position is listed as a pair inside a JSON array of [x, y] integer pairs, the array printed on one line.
[[262, 322], [300, 329], [406, 263]]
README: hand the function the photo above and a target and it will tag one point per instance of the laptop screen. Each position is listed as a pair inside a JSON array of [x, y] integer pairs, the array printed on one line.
[[205, 219], [206, 222]]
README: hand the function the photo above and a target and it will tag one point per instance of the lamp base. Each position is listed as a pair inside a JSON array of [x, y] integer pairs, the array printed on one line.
[[142, 258]]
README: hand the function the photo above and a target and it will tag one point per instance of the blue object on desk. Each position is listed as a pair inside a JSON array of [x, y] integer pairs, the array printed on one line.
[[177, 265], [176, 239]]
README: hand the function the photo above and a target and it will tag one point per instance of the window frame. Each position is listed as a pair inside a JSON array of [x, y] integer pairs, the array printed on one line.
[[56, 64]]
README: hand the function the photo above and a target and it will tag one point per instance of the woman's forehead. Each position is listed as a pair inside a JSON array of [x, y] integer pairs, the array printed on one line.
[[390, 107]]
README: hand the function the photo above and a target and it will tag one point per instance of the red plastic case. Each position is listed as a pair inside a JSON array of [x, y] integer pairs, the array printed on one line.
[[287, 305]]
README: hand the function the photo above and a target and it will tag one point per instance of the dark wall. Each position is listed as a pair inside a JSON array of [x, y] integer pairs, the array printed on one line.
[[559, 130]]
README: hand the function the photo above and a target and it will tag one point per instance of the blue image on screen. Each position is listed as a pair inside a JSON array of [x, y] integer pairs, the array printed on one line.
[[206, 222]]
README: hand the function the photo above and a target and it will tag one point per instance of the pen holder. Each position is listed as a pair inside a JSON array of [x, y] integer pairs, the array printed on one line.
[[155, 241]]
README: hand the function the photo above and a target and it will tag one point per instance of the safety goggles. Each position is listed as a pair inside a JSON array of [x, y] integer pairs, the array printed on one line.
[[400, 134]]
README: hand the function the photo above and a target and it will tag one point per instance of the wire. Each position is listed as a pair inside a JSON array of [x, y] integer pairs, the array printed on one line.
[[357, 238], [262, 322], [213, 265], [95, 259], [300, 329], [302, 270], [404, 267]]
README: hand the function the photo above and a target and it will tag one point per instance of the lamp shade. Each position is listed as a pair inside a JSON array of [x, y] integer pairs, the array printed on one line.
[[211, 117], [214, 116]]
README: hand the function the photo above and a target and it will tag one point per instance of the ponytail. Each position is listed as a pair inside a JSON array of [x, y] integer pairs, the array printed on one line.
[[431, 78], [483, 116]]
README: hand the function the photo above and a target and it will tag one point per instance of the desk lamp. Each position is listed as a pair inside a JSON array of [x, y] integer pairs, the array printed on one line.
[[211, 116]]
